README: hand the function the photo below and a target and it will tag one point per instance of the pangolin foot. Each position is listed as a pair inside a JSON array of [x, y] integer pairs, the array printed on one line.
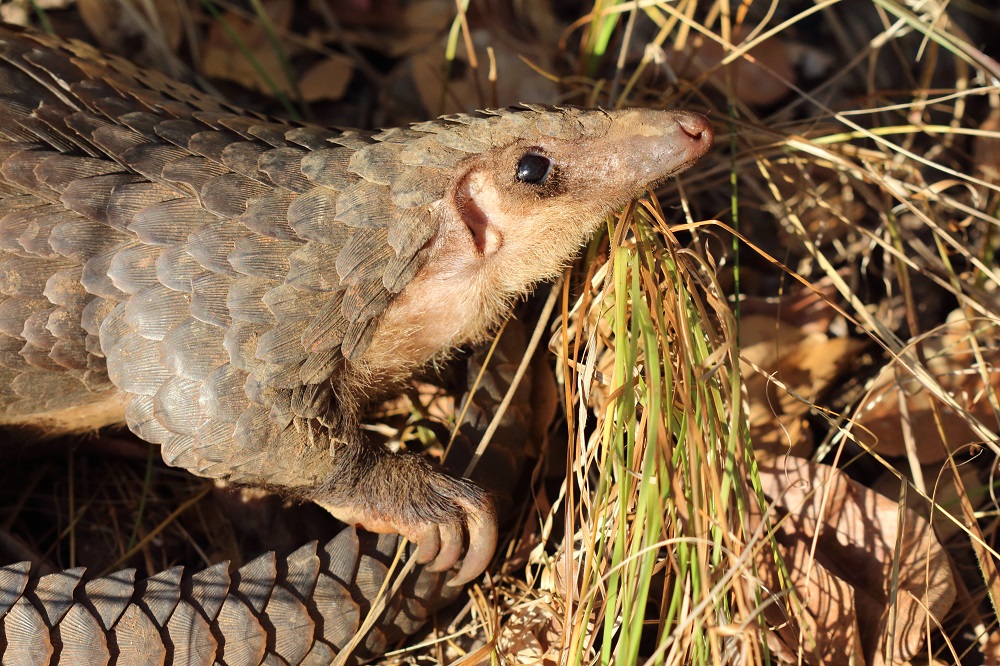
[[439, 513]]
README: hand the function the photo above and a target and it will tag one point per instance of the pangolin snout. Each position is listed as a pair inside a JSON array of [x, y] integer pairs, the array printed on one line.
[[655, 144]]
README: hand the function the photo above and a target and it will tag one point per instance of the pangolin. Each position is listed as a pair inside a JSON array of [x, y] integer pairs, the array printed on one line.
[[237, 289]]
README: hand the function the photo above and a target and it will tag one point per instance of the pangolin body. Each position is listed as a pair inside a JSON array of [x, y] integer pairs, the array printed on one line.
[[237, 289]]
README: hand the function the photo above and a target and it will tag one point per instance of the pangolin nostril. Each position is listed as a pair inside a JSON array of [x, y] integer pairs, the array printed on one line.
[[696, 126]]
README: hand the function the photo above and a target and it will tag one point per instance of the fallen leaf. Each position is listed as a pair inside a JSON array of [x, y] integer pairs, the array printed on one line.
[[787, 367], [871, 577], [991, 650], [532, 635], [824, 201], [424, 22], [327, 79], [760, 77], [469, 88], [150, 32], [223, 59], [974, 481], [952, 363]]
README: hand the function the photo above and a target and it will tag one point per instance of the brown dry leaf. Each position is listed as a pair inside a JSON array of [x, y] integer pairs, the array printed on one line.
[[121, 26], [327, 79], [221, 59], [469, 88], [759, 77], [953, 364], [16, 13], [544, 399], [531, 635], [805, 362], [839, 540], [974, 481], [424, 22], [21, 12], [367, 13]]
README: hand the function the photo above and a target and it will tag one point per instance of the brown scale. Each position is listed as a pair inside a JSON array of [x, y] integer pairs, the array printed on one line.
[[248, 288]]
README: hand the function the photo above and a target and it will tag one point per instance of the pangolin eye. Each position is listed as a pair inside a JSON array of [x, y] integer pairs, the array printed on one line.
[[533, 168]]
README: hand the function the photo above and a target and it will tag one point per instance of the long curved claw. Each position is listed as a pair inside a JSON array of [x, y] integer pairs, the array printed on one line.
[[452, 544], [482, 527], [428, 547]]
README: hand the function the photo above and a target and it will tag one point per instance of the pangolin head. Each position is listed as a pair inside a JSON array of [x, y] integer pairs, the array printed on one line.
[[509, 197]]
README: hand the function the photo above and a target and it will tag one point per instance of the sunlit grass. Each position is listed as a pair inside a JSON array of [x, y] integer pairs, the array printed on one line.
[[661, 474]]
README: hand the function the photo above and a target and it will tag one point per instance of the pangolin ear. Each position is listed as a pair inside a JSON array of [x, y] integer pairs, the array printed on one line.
[[478, 204]]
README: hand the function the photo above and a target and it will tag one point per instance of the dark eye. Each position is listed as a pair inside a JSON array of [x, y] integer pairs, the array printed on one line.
[[533, 168]]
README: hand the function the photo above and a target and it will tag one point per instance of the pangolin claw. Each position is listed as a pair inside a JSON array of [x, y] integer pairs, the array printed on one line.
[[451, 541], [482, 528], [440, 544], [428, 547]]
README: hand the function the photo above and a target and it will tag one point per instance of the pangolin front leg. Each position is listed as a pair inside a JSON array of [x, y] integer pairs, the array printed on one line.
[[245, 287]]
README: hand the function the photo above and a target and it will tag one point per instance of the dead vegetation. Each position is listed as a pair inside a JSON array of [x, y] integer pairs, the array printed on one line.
[[768, 413]]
